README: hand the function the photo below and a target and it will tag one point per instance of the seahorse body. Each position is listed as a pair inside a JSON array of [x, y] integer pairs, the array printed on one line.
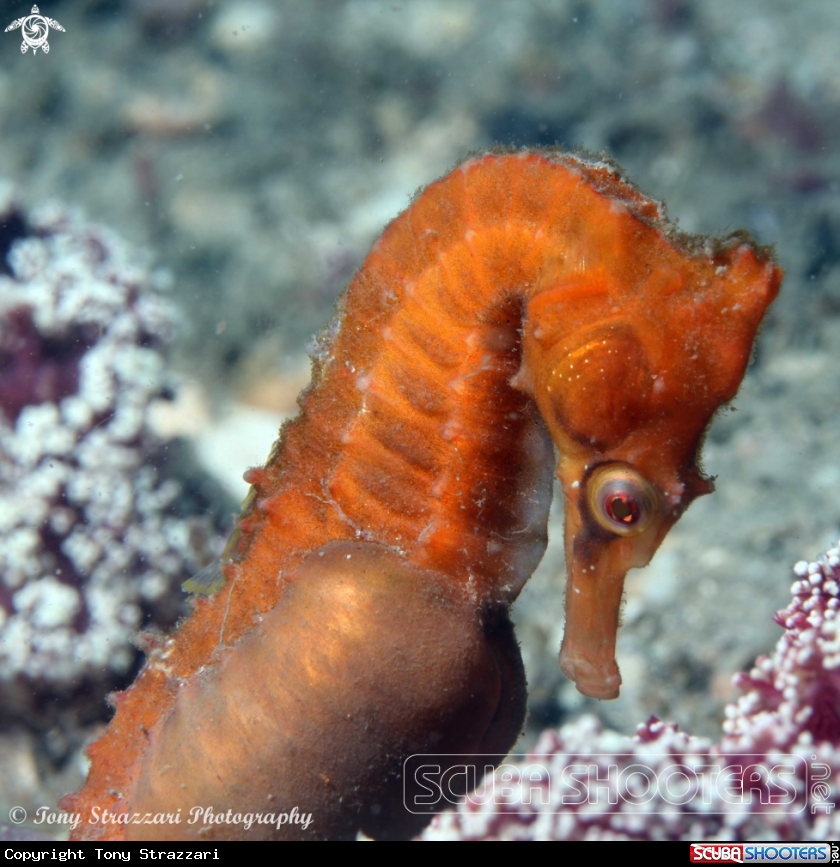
[[523, 299]]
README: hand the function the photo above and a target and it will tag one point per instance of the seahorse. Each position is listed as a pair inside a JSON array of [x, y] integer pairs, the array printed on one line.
[[527, 302]]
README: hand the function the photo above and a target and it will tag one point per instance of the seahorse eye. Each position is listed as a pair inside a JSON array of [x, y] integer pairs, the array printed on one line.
[[621, 500]]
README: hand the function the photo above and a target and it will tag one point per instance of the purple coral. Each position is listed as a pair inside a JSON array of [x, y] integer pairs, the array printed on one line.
[[795, 694], [778, 761], [88, 543]]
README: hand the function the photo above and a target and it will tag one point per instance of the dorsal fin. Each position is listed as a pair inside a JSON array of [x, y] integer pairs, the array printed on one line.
[[208, 581]]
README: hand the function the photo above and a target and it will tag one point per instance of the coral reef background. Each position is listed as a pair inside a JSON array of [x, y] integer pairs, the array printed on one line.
[[258, 148], [85, 536], [667, 785], [96, 530]]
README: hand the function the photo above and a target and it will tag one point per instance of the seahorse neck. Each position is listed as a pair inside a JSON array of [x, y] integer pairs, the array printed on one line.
[[414, 436], [442, 458]]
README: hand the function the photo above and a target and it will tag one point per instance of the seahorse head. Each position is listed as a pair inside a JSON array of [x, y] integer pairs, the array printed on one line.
[[628, 362]]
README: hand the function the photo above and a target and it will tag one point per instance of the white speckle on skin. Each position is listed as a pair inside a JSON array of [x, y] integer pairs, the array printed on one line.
[[438, 487], [427, 531]]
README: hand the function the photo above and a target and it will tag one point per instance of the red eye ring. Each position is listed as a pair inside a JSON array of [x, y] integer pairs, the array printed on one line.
[[621, 500]]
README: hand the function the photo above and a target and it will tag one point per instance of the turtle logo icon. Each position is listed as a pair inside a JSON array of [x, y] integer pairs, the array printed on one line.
[[35, 29]]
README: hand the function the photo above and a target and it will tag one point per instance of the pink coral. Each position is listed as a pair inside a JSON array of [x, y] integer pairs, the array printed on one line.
[[778, 763], [94, 539]]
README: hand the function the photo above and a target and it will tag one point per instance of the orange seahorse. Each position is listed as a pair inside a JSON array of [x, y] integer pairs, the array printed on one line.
[[525, 299]]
